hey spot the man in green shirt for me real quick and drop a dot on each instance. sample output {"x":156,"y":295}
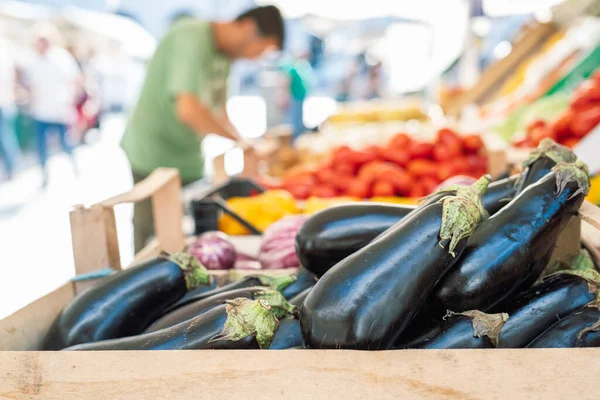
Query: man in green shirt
{"x":183,"y":97}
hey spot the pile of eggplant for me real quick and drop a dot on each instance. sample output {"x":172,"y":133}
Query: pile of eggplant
{"x":466,"y":268}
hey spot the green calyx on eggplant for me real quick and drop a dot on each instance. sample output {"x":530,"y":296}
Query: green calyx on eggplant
{"x":195,"y":273}
{"x":548,"y":148}
{"x":462,"y":213}
{"x":368,"y":299}
{"x":249,"y":317}
{"x":125,"y":303}
{"x":184,"y":313}
{"x":595,"y":327}
{"x":580,"y":261}
{"x":506,"y":254}
{"x":467,"y":330}
{"x":239,"y":324}
{"x":278,"y":283}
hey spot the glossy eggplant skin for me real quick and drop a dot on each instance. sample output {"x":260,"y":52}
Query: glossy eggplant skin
{"x":199,"y":307}
{"x":304,"y":280}
{"x":299,"y":299}
{"x":288,"y":335}
{"x":536,"y":310}
{"x":457,"y":333}
{"x":509,"y":248}
{"x":196,"y":295}
{"x":565,"y":332}
{"x":499,"y":194}
{"x":535,"y":172}
{"x":193,"y":334}
{"x":368,"y":299}
{"x":335,"y":233}
{"x":123,"y":305}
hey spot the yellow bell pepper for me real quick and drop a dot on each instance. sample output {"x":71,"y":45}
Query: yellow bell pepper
{"x":316,"y":204}
{"x":395,"y":200}
{"x":594,"y":195}
{"x":261,"y":211}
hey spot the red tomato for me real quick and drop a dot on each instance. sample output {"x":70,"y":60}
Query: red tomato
{"x":326,"y":176}
{"x":472,"y":143}
{"x":429,"y":184}
{"x":375,"y":150}
{"x":397,"y":156}
{"x":535,"y":124}
{"x":460,"y":165}
{"x":447,"y":135}
{"x":400,"y":180}
{"x":596,"y":77}
{"x":300,"y":192}
{"x":445,"y":171}
{"x":359,"y":188}
{"x":324,"y":191}
{"x":538,"y":134}
{"x":305,"y":179}
{"x":343,"y":168}
{"x":421,"y":168}
{"x":442,"y":153}
{"x":570,"y":142}
{"x":342,"y":182}
{"x":368,"y":172}
{"x":417,"y":191}
{"x":477,"y":162}
{"x":400,"y":141}
{"x":584,"y":122}
{"x":421,"y":150}
{"x":383,"y":189}
{"x":562,"y":126}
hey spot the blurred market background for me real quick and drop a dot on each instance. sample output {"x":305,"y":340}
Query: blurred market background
{"x":494,"y":68}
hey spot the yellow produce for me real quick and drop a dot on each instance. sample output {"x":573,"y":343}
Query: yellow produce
{"x":594,"y":195}
{"x":395,"y":200}
{"x":261,"y":211}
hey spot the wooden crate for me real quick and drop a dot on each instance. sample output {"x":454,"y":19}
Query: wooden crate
{"x":292,"y":374}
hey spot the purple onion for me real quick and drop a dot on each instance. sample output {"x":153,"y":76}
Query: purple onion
{"x":278,"y":249}
{"x":214,"y":250}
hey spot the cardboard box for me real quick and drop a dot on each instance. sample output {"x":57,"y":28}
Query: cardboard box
{"x":292,"y":374}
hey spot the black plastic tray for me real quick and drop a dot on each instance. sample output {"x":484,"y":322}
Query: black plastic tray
{"x":207,"y":209}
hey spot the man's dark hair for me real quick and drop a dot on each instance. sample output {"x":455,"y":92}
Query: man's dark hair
{"x":269,"y":21}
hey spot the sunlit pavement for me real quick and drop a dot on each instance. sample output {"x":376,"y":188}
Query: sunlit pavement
{"x":35,"y":240}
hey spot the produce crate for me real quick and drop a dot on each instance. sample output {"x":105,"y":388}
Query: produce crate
{"x":293,"y":374}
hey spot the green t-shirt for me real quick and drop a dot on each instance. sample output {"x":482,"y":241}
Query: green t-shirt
{"x":185,"y":61}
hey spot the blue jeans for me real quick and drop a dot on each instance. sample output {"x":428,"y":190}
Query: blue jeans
{"x":9,"y":148}
{"x":41,"y":132}
{"x":297,"y":117}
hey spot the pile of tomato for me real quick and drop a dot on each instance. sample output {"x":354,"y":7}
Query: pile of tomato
{"x":404,"y":167}
{"x":575,"y":123}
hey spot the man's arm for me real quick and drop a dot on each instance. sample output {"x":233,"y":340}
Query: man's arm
{"x":200,"y":118}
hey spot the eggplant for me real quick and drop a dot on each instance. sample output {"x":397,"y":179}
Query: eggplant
{"x":304,"y":280}
{"x":126,"y":303}
{"x":515,"y":244}
{"x":278,"y":283}
{"x":541,"y":161}
{"x":288,"y":335}
{"x":336,"y":232}
{"x":191,"y":310}
{"x":367,"y":300}
{"x":580,"y":329}
{"x":468,"y":330}
{"x":299,"y":299}
{"x":240,"y":324}
{"x":499,"y":194}
{"x":536,"y":310}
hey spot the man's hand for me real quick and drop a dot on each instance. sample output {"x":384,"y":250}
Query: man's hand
{"x":191,"y":112}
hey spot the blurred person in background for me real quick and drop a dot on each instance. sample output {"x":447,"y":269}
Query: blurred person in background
{"x":53,"y":76}
{"x":9,"y":148}
{"x":374,"y":83}
{"x":300,"y":80}
{"x":184,"y":97}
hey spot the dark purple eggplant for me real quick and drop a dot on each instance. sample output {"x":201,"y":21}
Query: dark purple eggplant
{"x":468,"y":330}
{"x":304,"y":280}
{"x":299,"y":299}
{"x":580,"y":329}
{"x":536,"y":310}
{"x":241,"y":324}
{"x":126,"y":303}
{"x":278,"y":283}
{"x":336,"y":232}
{"x":192,"y":310}
{"x":515,"y":244}
{"x":288,"y":335}
{"x":368,"y":299}
{"x":541,"y":161}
